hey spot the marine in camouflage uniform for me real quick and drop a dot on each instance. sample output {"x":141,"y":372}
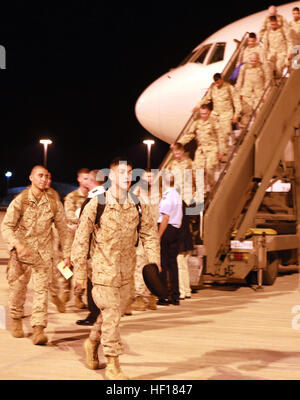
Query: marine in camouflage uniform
{"x":266,"y":25}
{"x":277,"y":44}
{"x":204,"y":130}
{"x":252,"y":46}
{"x":113,"y":262}
{"x":182,"y":167}
{"x":27,"y":227}
{"x":294,"y":30}
{"x":226,"y":110}
{"x":251,"y":84}
{"x":72,"y":204}
{"x":58,"y":283}
{"x":143,"y":299}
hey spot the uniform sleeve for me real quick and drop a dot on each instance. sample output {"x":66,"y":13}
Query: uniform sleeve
{"x":189,"y":135}
{"x":80,"y":246}
{"x":70,"y":209}
{"x":10,"y":222}
{"x":149,"y":236}
{"x":263,"y":29}
{"x":60,"y":223}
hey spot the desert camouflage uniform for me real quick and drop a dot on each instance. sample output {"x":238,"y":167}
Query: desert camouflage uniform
{"x":188,"y":189}
{"x":184,"y":178}
{"x":34,"y":230}
{"x":72,"y":204}
{"x":140,"y":289}
{"x":244,"y":55}
{"x":251,"y":84}
{"x":266,"y":25}
{"x":226,"y":106}
{"x":206,"y":155}
{"x":58,"y":282}
{"x":276,"y":46}
{"x":113,"y":261}
{"x":294,"y":32}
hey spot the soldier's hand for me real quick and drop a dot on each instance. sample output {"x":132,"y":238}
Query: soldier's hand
{"x":72,"y":227}
{"x":22,"y":250}
{"x":235,"y":120}
{"x":159,"y":268}
{"x":67,"y":262}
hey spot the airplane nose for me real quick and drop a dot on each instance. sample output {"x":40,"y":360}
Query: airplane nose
{"x":147,"y":110}
{"x":166,"y":105}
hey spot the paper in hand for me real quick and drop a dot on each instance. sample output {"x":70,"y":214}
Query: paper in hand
{"x":65,"y":271}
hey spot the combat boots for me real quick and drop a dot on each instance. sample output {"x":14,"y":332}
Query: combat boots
{"x":139,"y":304}
{"x":78,"y":302}
{"x":38,"y":335}
{"x":16,"y":328}
{"x":91,"y":353}
{"x":151,"y":302}
{"x":113,"y":370}
{"x":60,"y":305}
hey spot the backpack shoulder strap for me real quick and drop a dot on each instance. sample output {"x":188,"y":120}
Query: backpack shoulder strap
{"x":101,"y":198}
{"x":139,"y":210}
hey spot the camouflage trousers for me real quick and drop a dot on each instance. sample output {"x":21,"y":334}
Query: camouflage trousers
{"x":139,"y":284}
{"x":206,"y":157}
{"x":183,"y":274}
{"x":275,"y":64}
{"x":112,"y":302}
{"x":59,"y":285}
{"x":224,"y":130}
{"x":18,"y":276}
{"x":249,"y":104}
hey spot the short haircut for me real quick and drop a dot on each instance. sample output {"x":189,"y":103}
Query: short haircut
{"x":205,"y":106}
{"x":273,"y":18}
{"x":179,"y":146}
{"x":36,"y":167}
{"x":83,"y":171}
{"x":217,"y":76}
{"x":296,"y":9}
{"x":120,"y":160}
{"x":252,"y":35}
{"x":98,"y":175}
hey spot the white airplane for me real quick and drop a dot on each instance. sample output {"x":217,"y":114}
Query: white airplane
{"x":165,"y":106}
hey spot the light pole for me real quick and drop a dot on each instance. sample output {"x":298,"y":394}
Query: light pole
{"x":8,"y":174}
{"x":149,"y":143}
{"x":45,"y":142}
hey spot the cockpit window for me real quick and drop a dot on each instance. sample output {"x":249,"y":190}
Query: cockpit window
{"x":197,"y":55}
{"x":217,"y":53}
{"x":202,"y":53}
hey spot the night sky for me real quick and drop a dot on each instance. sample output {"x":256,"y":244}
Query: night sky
{"x":74,"y":72}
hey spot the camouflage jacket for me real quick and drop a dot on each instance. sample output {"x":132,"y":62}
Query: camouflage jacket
{"x":276,"y":41}
{"x":294,"y":32}
{"x":114,"y":255}
{"x":205,"y":132}
{"x":224,"y":99}
{"x":32,"y":227}
{"x":184,"y":177}
{"x":73,"y":203}
{"x":252,"y":80}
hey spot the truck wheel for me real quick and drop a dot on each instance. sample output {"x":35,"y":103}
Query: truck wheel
{"x":271,"y":273}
